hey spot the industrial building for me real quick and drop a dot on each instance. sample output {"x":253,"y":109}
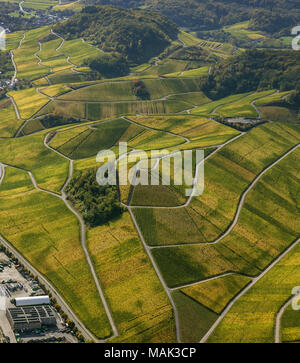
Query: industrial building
{"x":32,"y":300}
{"x":30,"y":318}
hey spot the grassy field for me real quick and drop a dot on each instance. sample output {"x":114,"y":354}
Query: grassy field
{"x":245,"y":249}
{"x":83,"y":142}
{"x":290,"y":325}
{"x":13,"y":40}
{"x":216,"y":294}
{"x":28,"y":101}
{"x":67,"y":109}
{"x":243,"y":107}
{"x":50,"y":170}
{"x":42,"y":228}
{"x":39,"y":4}
{"x":123,"y":91}
{"x":51,"y":58}
{"x":98,"y":111}
{"x":241,"y":31}
{"x":194,"y":319}
{"x":25,"y":59}
{"x":78,"y":51}
{"x":281,"y":114}
{"x":188,"y":39}
{"x":161,"y":68}
{"x":202,"y":132}
{"x":208,"y":108}
{"x":55,"y":90}
{"x":9,"y":124}
{"x":140,"y":307}
{"x":252,"y":318}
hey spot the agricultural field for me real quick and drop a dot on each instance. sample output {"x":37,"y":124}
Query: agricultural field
{"x":9,"y":123}
{"x":29,"y":220}
{"x":241,"y":31}
{"x":39,"y":4}
{"x":26,"y":58}
{"x":154,"y":263}
{"x":141,"y":308}
{"x":28,"y":102}
{"x":123,"y":91}
{"x":261,"y":304}
{"x":48,"y":168}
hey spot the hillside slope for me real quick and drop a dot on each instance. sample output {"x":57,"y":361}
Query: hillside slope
{"x":212,"y":14}
{"x":136,"y":34}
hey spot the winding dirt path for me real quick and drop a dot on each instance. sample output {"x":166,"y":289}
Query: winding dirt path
{"x":82,"y":236}
{"x":243,"y":292}
{"x":239,"y":208}
{"x":279,"y":318}
{"x":61,"y":301}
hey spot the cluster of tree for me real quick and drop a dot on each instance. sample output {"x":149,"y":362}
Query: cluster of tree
{"x":254,"y":70}
{"x":210,"y":14}
{"x":109,"y":65}
{"x":6,"y":66}
{"x":293,"y":98}
{"x":54,"y":119}
{"x":140,"y":90}
{"x":136,"y":34}
{"x":97,"y":204}
{"x":275,"y":23}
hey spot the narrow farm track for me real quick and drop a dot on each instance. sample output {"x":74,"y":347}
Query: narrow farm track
{"x":203,"y":281}
{"x":187,"y":140}
{"x":13,"y":59}
{"x":188,"y":201}
{"x":164,"y":98}
{"x":86,"y":333}
{"x":240,"y":205}
{"x":247,"y":288}
{"x":162,"y":281}
{"x":74,"y":66}
{"x":279,"y":317}
{"x":83,"y":238}
{"x":15,"y":107}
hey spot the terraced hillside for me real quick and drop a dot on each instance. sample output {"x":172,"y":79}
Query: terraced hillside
{"x":174,"y":265}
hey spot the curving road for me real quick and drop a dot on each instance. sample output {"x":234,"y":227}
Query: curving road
{"x":279,"y":317}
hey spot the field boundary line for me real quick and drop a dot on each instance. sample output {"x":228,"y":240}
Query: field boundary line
{"x":239,"y":207}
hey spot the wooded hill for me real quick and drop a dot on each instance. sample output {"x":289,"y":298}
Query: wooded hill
{"x":136,"y":34}
{"x":254,"y":70}
{"x":213,"y":14}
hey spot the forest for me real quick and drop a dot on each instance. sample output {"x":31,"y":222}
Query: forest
{"x":136,"y":34}
{"x":254,"y":70}
{"x":214,"y":14}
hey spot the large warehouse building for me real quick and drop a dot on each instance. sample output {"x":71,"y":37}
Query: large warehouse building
{"x":32,"y":300}
{"x":31,"y":317}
